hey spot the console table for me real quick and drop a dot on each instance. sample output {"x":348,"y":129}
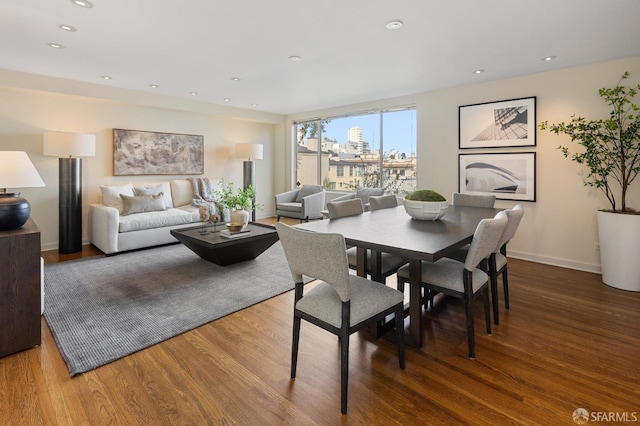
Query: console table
{"x":20,"y":302}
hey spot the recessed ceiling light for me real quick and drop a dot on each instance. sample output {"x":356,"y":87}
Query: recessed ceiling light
{"x":154,"y":86}
{"x":55,"y":45}
{"x":548,"y":58}
{"x":254,"y":105}
{"x":68,"y":28}
{"x":478,"y":71}
{"x":105,"y":77}
{"x":193,"y":93}
{"x":235,"y":78}
{"x":226,"y":99}
{"x":82,"y":3}
{"x":394,"y":25}
{"x":295,"y":58}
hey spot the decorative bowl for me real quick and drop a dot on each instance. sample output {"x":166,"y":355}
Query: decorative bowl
{"x":234,"y":227}
{"x":426,"y":210}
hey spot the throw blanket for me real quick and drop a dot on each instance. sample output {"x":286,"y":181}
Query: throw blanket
{"x":204,"y":196}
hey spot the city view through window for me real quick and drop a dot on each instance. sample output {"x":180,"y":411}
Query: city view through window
{"x":370,"y":150}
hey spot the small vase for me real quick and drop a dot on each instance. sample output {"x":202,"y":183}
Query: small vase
{"x":239,"y":216}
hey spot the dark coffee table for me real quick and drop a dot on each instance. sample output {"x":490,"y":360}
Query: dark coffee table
{"x":226,"y":251}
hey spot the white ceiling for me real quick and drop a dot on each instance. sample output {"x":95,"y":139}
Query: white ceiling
{"x":348,"y":56}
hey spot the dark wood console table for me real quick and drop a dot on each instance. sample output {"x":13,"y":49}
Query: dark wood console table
{"x":20,"y":302}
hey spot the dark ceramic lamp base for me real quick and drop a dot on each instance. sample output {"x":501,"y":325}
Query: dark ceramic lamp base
{"x":14,"y":211}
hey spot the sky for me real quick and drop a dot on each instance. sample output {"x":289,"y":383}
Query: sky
{"x":399,"y":130}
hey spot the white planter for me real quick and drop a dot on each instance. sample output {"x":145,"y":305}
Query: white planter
{"x":620,"y":250}
{"x":425,"y":210}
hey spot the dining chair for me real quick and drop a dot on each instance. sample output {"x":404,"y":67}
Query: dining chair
{"x":345,"y":208}
{"x":464,"y":279}
{"x":389,"y":263}
{"x":498,"y":261}
{"x":383,"y":201}
{"x":341,"y":303}
{"x":473,"y":200}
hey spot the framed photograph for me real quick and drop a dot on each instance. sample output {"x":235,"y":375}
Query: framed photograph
{"x":500,"y":124}
{"x":138,"y":152}
{"x":510,"y":176}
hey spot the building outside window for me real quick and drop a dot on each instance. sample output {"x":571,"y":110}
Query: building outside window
{"x":378,"y":148}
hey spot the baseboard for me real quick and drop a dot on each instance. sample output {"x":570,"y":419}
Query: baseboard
{"x":564,"y":263}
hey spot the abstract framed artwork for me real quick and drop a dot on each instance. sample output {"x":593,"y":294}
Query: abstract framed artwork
{"x":502,"y":124}
{"x":509,"y":176}
{"x":137,"y":152}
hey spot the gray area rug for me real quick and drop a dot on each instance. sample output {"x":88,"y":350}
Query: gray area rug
{"x":105,"y":308}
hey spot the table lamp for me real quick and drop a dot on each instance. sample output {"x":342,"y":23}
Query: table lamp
{"x":250,"y":151}
{"x":70,"y":147}
{"x":16,"y":171}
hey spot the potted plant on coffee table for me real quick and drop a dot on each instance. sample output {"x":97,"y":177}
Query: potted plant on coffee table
{"x":610,"y":151}
{"x":238,"y":201}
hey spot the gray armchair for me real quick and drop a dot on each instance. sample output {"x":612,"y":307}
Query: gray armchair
{"x":363,"y":194}
{"x":303,"y":203}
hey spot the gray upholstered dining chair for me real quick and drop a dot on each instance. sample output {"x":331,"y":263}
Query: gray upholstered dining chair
{"x":363,"y":194}
{"x":498,"y":262}
{"x":389,"y":263}
{"x":345,"y":208}
{"x":341,"y":303}
{"x":465,"y":280}
{"x":473,"y":200}
{"x":383,"y":201}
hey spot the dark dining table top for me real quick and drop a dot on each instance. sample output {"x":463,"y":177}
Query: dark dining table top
{"x":392,"y":230}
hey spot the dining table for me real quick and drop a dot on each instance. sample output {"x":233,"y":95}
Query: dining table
{"x":392,"y":230}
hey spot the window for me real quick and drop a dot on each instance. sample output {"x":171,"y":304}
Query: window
{"x":378,"y":148}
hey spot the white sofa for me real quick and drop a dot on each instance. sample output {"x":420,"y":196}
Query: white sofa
{"x":140,"y":221}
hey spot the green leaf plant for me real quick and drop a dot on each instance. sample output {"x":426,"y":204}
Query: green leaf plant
{"x":611,"y":147}
{"x":229,"y":197}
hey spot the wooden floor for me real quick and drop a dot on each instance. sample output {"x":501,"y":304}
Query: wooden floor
{"x":567,"y":342}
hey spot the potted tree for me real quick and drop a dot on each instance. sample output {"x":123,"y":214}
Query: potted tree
{"x":425,"y":204}
{"x":611,"y":154}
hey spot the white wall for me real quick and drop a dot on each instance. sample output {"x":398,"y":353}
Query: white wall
{"x":29,"y":105}
{"x":560,"y":227}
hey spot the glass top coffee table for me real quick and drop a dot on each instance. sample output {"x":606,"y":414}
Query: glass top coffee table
{"x":212,"y":246}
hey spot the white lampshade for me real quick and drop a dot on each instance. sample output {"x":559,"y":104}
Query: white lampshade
{"x":17,"y":170}
{"x":64,"y":144}
{"x":251,"y":151}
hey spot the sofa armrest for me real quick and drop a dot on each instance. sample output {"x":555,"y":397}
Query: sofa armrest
{"x":344,"y":197}
{"x":104,"y":223}
{"x":313,"y":204}
{"x":287,"y":197}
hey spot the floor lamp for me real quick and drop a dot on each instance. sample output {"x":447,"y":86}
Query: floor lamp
{"x":250,"y":151}
{"x":16,"y":171}
{"x":70,"y":147}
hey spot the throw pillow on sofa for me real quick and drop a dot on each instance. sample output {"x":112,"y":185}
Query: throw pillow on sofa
{"x":111,"y":195}
{"x":142,"y":203}
{"x":155,"y":189}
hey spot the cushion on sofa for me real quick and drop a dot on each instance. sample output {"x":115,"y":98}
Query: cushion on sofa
{"x":157,"y":219}
{"x":182,"y":192}
{"x":111,"y":194}
{"x":142,"y":203}
{"x":155,"y":189}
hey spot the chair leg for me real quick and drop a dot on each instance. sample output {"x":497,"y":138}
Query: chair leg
{"x":277,"y":218}
{"x":505,"y":286}
{"x":294,"y":346}
{"x":344,"y":370}
{"x":400,"y":285}
{"x":487,"y":311}
{"x":468,"y":301}
{"x":493,"y":275}
{"x":400,"y":334}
